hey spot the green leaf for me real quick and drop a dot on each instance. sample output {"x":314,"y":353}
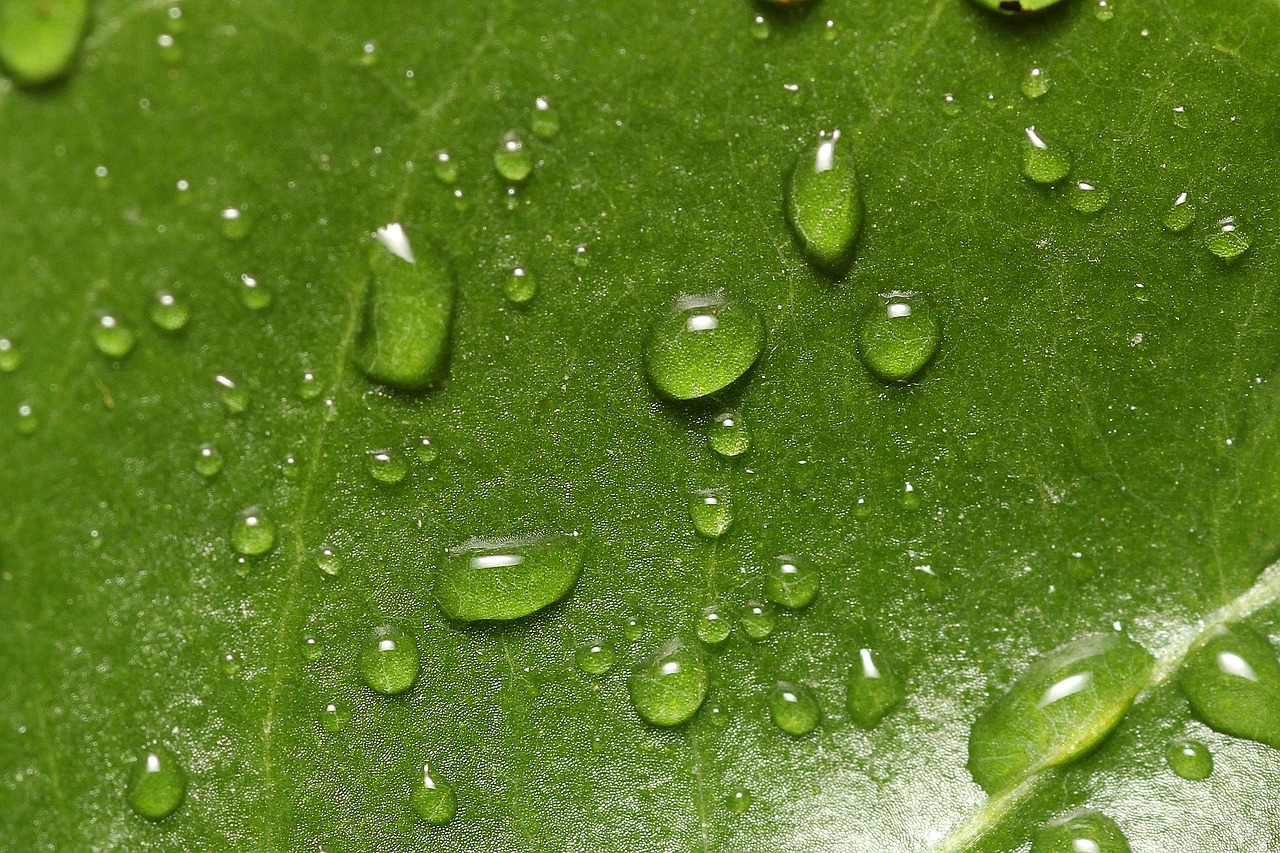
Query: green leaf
{"x":1092,"y":449}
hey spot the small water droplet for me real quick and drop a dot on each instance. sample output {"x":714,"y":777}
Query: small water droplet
{"x":426,"y":451}
{"x":39,"y":40}
{"x":1190,"y":759}
{"x":1041,"y":162}
{"x":513,"y":159}
{"x":1180,"y":117}
{"x":521,"y":286}
{"x":898,"y":336}
{"x":309,"y":386}
{"x":234,"y":397}
{"x":445,"y":168}
{"x":10,"y":356}
{"x":157,"y":783}
{"x":791,"y":581}
{"x":738,"y":801}
{"x":823,"y":204}
{"x":757,"y":620}
{"x":231,"y":662}
{"x":389,"y":660}
{"x":27,"y":419}
{"x":545,"y":122}
{"x":729,"y":435}
{"x":1087,"y":197}
{"x":699,"y":345}
{"x":386,"y":466}
{"x":793,"y":708}
{"x":433,"y":798}
{"x":1080,"y":832}
{"x":253,"y":533}
{"x":369,"y":54}
{"x":950,"y":107}
{"x":498,"y":579}
{"x":1181,"y":214}
{"x":334,"y":716}
{"x":329,"y":562}
{"x":633,"y":628}
{"x":595,"y":658}
{"x":711,"y":512}
{"x":669,"y":687}
{"x":1227,"y":241}
{"x":1233,"y":683}
{"x":1035,"y":84}
{"x":291,"y":468}
{"x":713,"y":625}
{"x":253,"y":294}
{"x":874,"y":689}
{"x":208,"y":460}
{"x":759,"y":28}
{"x":170,"y":50}
{"x":1104,"y":11}
{"x":168,"y":312}
{"x":311,"y":648}
{"x":112,"y":337}
{"x":235,"y":223}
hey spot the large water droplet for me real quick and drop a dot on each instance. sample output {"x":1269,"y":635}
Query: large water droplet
{"x":699,"y":345}
{"x":713,"y":625}
{"x":386,"y":466}
{"x":1081,"y":832}
{"x":168,"y":312}
{"x":513,"y":158}
{"x":669,"y":687}
{"x":1227,"y":241}
{"x":432,"y":797}
{"x":874,"y":689}
{"x":389,"y":660}
{"x":757,"y":620}
{"x":729,"y":435}
{"x":595,"y":658}
{"x":1063,"y":705}
{"x":711,"y":512}
{"x":793,"y":708}
{"x":507,"y":578}
{"x":791,"y":581}
{"x":1041,"y":162}
{"x":252,"y":534}
{"x":39,"y":38}
{"x":898,"y":336}
{"x":208,"y":460}
{"x":1233,"y":683}
{"x":408,"y":313}
{"x":157,"y":783}
{"x":1190,"y":759}
{"x":112,"y":337}
{"x":824,"y":206}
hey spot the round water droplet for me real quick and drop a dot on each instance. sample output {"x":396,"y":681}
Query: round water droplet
{"x":309,"y":385}
{"x":389,"y":660}
{"x":39,"y":40}
{"x":27,"y":419}
{"x":759,"y":28}
{"x":112,"y":337}
{"x":1233,"y":683}
{"x":1181,"y":214}
{"x":728,"y":435}
{"x":446,"y":170}
{"x":791,"y":581}
{"x":1041,"y":162}
{"x":545,"y":122}
{"x":169,"y":312}
{"x":1016,"y":7}
{"x":253,"y":294}
{"x":874,"y":689}
{"x":699,"y":345}
{"x":1104,"y":11}
{"x":329,"y":562}
{"x":513,"y":158}
{"x":633,"y":628}
{"x":290,"y":468}
{"x":170,"y":50}
{"x":669,"y":687}
{"x":898,"y":336}
{"x":823,"y":204}
{"x":432,"y":798}
{"x":234,"y":397}
{"x":252,"y":534}
{"x":520,"y":286}
{"x":311,"y":648}
{"x":1081,"y":832}
{"x":757,"y":620}
{"x":208,"y":460}
{"x":1035,"y":84}
{"x":386,"y":466}
{"x":426,"y":451}
{"x":1088,"y":198}
{"x":157,"y":783}
{"x":738,"y":801}
{"x":1227,"y":241}
{"x":793,"y":708}
{"x":334,"y":716}
{"x":711,"y":512}
{"x":1190,"y":759}
{"x":498,"y":579}
{"x":10,"y":356}
{"x":950,"y":107}
{"x":596,"y":658}
{"x":713,"y":625}
{"x":235,"y":224}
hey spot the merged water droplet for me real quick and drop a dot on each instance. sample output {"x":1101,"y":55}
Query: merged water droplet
{"x":208,"y":460}
{"x":711,"y":512}
{"x":169,"y":313}
{"x":1081,"y":832}
{"x":713,"y":625}
{"x":793,"y":708}
{"x":791,"y":581}
{"x":1035,"y":84}
{"x":1063,"y":705}
{"x":1190,"y":759}
{"x":1181,"y":214}
{"x":1227,"y":241}
{"x":595,"y":658}
{"x":433,"y":798}
{"x":1233,"y":683}
{"x":446,"y":170}
{"x":757,"y":620}
{"x":252,"y":534}
{"x":699,"y":345}
{"x":898,"y":336}
{"x":824,"y":206}
{"x":729,"y":435}
{"x":112,"y":337}
{"x":669,"y":687}
{"x":157,"y":783}
{"x":334,"y":716}
{"x":408,"y":313}
{"x":874,"y":689}
{"x":513,"y":159}
{"x":545,"y":122}
{"x":1041,"y":162}
{"x":386,"y":466}
{"x":1088,"y":198}
{"x":520,"y":287}
{"x":498,"y":579}
{"x":39,"y":38}
{"x":10,"y":356}
{"x":389,"y":660}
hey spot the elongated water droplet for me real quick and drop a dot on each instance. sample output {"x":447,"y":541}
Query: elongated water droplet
{"x":10,"y":356}
{"x":1063,"y":705}
{"x":1081,"y":832}
{"x":1233,"y":683}
{"x":1035,"y":84}
{"x":793,"y":708}
{"x":513,"y":158}
{"x":729,"y":435}
{"x":252,"y":534}
{"x":408,"y":313}
{"x":824,"y":206}
{"x":1042,"y":162}
{"x":389,"y":660}
{"x":898,"y":336}
{"x":521,"y":286}
{"x":713,"y":625}
{"x":1088,"y":198}
{"x":334,"y":716}
{"x":1016,"y":7}
{"x":595,"y":658}
{"x":874,"y":689}
{"x":386,"y":466}
{"x":433,"y":798}
{"x":445,"y":168}
{"x":1190,"y":759}
{"x":757,"y":620}
{"x":234,"y":397}
{"x":208,"y":460}
{"x":112,"y":337}
{"x":699,"y":345}
{"x":39,"y":38}
{"x":507,"y":578}
{"x":169,"y":313}
{"x":545,"y":122}
{"x":711,"y":512}
{"x":791,"y":581}
{"x":669,"y":687}
{"x":1227,"y":241}
{"x":1181,"y":214}
{"x":157,"y":783}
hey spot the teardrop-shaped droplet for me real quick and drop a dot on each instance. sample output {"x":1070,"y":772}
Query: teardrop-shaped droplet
{"x":507,"y":578}
{"x":824,"y":206}
{"x":1181,"y":214}
{"x":728,"y":435}
{"x":169,"y":312}
{"x":1042,"y":162}
{"x":408,"y":313}
{"x":874,"y":689}
{"x":513,"y":159}
{"x":793,"y":708}
{"x":1016,"y":7}
{"x":1081,"y":832}
{"x":389,"y":660}
{"x":595,"y":658}
{"x":757,"y":620}
{"x":157,"y":783}
{"x":112,"y":337}
{"x":713,"y":625}
{"x":791,"y":581}
{"x":699,"y":345}
{"x":669,"y":687}
{"x":1190,"y":759}
{"x":1063,"y":705}
{"x":39,"y":38}
{"x":898,"y":336}
{"x":711,"y":512}
{"x":433,"y":798}
{"x":1233,"y":683}
{"x":253,"y":533}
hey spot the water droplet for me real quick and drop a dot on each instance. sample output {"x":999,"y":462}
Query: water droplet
{"x":823,"y":204}
{"x":1014,"y":7}
{"x":898,"y":336}
{"x":1081,"y":832}
{"x":386,"y":466}
{"x":253,"y":294}
{"x":1041,"y":162}
{"x":728,"y":435}
{"x":513,"y":158}
{"x":235,"y":223}
{"x":408,"y":313}
{"x":595,"y":658}
{"x":445,"y":168}
{"x":1064,"y":704}
{"x":252,"y":534}
{"x":713,"y":625}
{"x":1088,"y":198}
{"x":1190,"y":759}
{"x":10,"y":356}
{"x":168,"y":312}
{"x":711,"y":512}
{"x":793,"y":708}
{"x":112,"y":337}
{"x":757,"y":620}
{"x":1104,"y":12}
{"x":950,"y":108}
{"x":633,"y":628}
{"x":432,"y":798}
{"x":521,"y":286}
{"x":311,"y":648}
{"x":1233,"y":683}
{"x":208,"y":460}
{"x":231,"y":663}
{"x":309,"y":386}
{"x":1227,"y":241}
{"x":874,"y":689}
{"x":329,"y":562}
{"x":426,"y":451}
{"x":170,"y":50}
{"x":235,"y":398}
{"x":334,"y":716}
{"x":545,"y":123}
{"x":1181,"y":214}
{"x":699,"y":345}
{"x":759,"y":28}
{"x":791,"y":581}
{"x":39,"y":40}
{"x":738,"y":801}
{"x":27,"y":419}
{"x":1180,"y":118}
{"x":389,"y":660}
{"x":507,"y":578}
{"x":157,"y":783}
{"x":669,"y":687}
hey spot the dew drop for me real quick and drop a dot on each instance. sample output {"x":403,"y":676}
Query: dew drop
{"x":235,"y":223}
{"x":713,"y":625}
{"x":253,"y":294}
{"x":513,"y":159}
{"x":1042,"y":162}
{"x":157,"y":783}
{"x":1063,"y":705}
{"x":113,"y":338}
{"x":234,"y":397}
{"x":757,"y":620}
{"x":309,"y":386}
{"x":1233,"y":683}
{"x":389,"y":660}
{"x":252,"y":534}
{"x":39,"y":39}
{"x":595,"y":658}
{"x":334,"y":716}
{"x":633,"y":628}
{"x":874,"y":689}
{"x":1081,"y":832}
{"x":898,"y":336}
{"x":329,"y":562}
{"x":168,"y":312}
{"x":445,"y":167}
{"x":738,"y":801}
{"x":669,"y":687}
{"x":729,"y":435}
{"x":426,"y":451}
{"x":711,"y":512}
{"x":1190,"y":759}
{"x":1180,"y":216}
{"x":950,"y":108}
{"x":385,"y":466}
{"x":1035,"y":84}
{"x":28,"y":421}
{"x":759,"y":28}
{"x":791,"y":581}
{"x":433,"y":798}
{"x":793,"y":708}
{"x":10,"y":356}
{"x":499,"y":579}
{"x":823,"y":204}
{"x":545,"y":122}
{"x":1088,"y":198}
{"x":699,"y":345}
{"x":520,"y":287}
{"x":208,"y":460}
{"x":1226,"y":241}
